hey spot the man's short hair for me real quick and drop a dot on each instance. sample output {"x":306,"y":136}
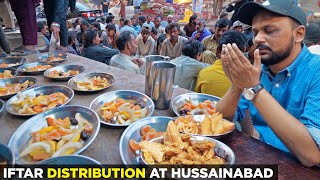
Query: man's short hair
{"x":312,"y":33}
{"x":154,"y":30}
{"x":145,"y":31}
{"x":192,"y":18}
{"x":223,"y":15}
{"x":71,"y":36}
{"x":142,"y":19}
{"x":201,"y":20}
{"x":111,"y":26}
{"x":122,"y":19}
{"x":40,"y":26}
{"x":172,"y":25}
{"x":96,"y":25}
{"x":222,"y":23}
{"x":126,"y":21}
{"x":109,"y":18}
{"x":233,"y":36}
{"x":88,"y":37}
{"x":192,"y":48}
{"x":123,"y":38}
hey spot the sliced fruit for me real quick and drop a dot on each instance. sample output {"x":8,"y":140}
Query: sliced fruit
{"x":134,"y":145}
{"x":41,"y":156}
{"x":75,"y":145}
{"x":46,"y":130}
{"x":35,"y":146}
{"x":52,"y":135}
{"x":145,"y":129}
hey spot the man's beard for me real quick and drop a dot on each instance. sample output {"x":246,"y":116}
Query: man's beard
{"x":275,"y":57}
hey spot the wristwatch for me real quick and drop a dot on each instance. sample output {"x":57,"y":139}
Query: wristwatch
{"x":251,"y":93}
{"x":55,"y":24}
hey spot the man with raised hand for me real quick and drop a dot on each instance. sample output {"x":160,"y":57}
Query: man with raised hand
{"x":283,"y":94}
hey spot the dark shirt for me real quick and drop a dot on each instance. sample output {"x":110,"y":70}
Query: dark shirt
{"x":105,"y":7}
{"x":99,"y":53}
{"x":189,"y":29}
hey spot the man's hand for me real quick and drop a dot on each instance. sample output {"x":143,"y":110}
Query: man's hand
{"x":138,"y":61}
{"x":55,"y":31}
{"x":238,"y":68}
{"x":198,"y":35}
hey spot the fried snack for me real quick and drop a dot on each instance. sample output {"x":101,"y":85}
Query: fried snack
{"x":206,"y":128}
{"x":187,"y":126}
{"x":179,"y":149}
{"x":211,"y":125}
{"x":6,"y":74}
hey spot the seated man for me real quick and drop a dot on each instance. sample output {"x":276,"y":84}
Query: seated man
{"x":93,"y":50}
{"x":212,"y":80}
{"x":72,"y":42}
{"x":127,"y":45}
{"x":211,"y":42}
{"x":146,"y":44}
{"x":172,"y":46}
{"x":201,"y":30}
{"x":283,"y":94}
{"x":188,"y":65}
{"x":128,"y":27}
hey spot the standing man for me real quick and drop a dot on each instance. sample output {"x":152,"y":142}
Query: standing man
{"x":105,"y":6}
{"x":56,"y":12}
{"x":25,"y":13}
{"x":122,"y":12}
{"x":283,"y":94}
{"x":202,"y":31}
{"x":136,"y":6}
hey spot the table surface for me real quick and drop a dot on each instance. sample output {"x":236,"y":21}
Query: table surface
{"x":105,"y":148}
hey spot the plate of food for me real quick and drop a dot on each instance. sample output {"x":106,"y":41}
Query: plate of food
{"x":63,"y":73}
{"x":11,"y":86}
{"x":55,"y":58}
{"x":11,"y":62}
{"x":159,"y":142}
{"x":205,"y":125}
{"x":7,"y":157}
{"x":62,"y":131}
{"x":144,"y":129}
{"x":194,"y":104}
{"x":8,"y":73}
{"x":35,"y":68}
{"x":70,"y":160}
{"x":39,"y":99}
{"x":123,"y":107}
{"x":91,"y":82}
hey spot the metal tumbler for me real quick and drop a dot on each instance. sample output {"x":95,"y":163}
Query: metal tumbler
{"x":148,"y":80}
{"x":162,"y":74}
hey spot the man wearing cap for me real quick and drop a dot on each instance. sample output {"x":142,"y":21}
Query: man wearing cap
{"x":283,"y":94}
{"x":312,"y":38}
{"x":237,"y":26}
